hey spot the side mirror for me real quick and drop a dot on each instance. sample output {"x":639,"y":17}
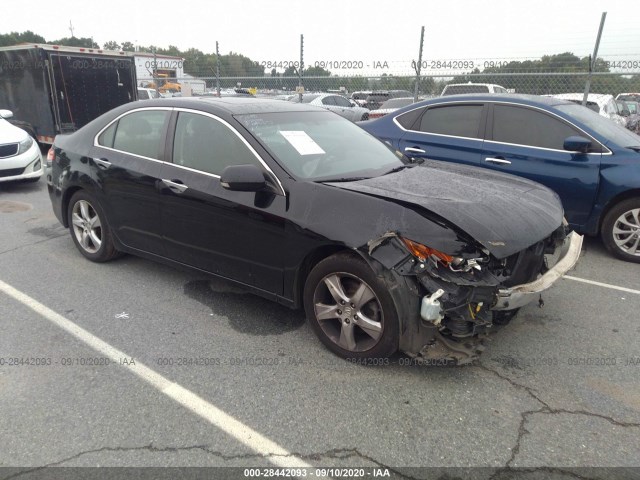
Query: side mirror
{"x":243,"y":178}
{"x":6,"y":113}
{"x":353,"y":104}
{"x":577,"y":144}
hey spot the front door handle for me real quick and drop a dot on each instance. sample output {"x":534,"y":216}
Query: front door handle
{"x":414,"y":150}
{"x":175,"y":186}
{"x":497,"y":161}
{"x":103,"y":164}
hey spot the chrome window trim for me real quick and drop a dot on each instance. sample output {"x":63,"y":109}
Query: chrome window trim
{"x":604,"y":147}
{"x":95,"y":139}
{"x":247,"y":144}
{"x":188,"y":110}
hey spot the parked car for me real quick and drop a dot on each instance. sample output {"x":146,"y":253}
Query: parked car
{"x":602,"y":104}
{"x":20,"y":157}
{"x":305,"y":208}
{"x":378,"y":97}
{"x":592,"y":163}
{"x":389,"y":106}
{"x":461,"y":88}
{"x":361,"y":97}
{"x":147,"y":93}
{"x":634,"y":97}
{"x":334,"y":103}
{"x":633,"y":120}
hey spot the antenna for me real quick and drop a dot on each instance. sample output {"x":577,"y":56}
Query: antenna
{"x":71,"y":28}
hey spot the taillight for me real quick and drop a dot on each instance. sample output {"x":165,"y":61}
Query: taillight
{"x":51,"y":155}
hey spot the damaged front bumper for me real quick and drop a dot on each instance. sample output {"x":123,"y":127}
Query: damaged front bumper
{"x":520,"y":295}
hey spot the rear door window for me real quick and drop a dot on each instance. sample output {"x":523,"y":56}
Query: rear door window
{"x":454,"y":120}
{"x":141,"y":133}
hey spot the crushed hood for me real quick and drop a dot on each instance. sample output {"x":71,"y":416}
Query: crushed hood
{"x":502,"y":212}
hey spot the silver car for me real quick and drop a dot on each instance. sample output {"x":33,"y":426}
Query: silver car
{"x":336,"y":103}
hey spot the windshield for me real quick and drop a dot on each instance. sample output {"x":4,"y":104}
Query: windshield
{"x":608,"y":129}
{"x":320,"y":145}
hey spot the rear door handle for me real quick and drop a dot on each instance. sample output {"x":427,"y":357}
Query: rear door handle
{"x":103,"y":164}
{"x":497,"y":161}
{"x":414,"y":150}
{"x":175,"y":186}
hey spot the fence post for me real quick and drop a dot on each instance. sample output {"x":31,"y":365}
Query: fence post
{"x":592,"y":62}
{"x":418,"y":66}
{"x":301,"y":68}
{"x":217,"y":70}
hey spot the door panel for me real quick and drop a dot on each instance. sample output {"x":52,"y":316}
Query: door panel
{"x":237,"y":235}
{"x":129,"y":167}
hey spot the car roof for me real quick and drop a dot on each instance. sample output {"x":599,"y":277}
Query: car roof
{"x":236,"y":105}
{"x":496,"y":97}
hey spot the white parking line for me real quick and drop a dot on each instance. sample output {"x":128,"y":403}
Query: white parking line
{"x":600,"y":284}
{"x":225,"y":422}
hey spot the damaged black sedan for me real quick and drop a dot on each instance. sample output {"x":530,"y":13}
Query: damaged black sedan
{"x":305,"y":208}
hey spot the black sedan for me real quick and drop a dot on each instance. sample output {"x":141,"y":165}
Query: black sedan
{"x":303,"y":207}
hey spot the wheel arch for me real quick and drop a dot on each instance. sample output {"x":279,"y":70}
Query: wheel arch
{"x":66,"y":198}
{"x":308,"y":263}
{"x":621,"y":197}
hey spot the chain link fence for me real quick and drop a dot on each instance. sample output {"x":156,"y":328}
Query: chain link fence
{"x":526,"y":77}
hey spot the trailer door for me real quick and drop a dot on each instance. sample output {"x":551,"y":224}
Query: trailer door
{"x":86,"y":87}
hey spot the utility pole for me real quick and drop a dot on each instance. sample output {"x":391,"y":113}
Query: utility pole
{"x":155,"y":69}
{"x":71,"y":28}
{"x":593,"y":59}
{"x":418,"y":67}
{"x":217,"y":69}
{"x":301,"y":68}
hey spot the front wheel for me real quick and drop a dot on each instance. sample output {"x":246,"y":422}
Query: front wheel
{"x":89,"y":228}
{"x":350,"y":309}
{"x":621,"y":230}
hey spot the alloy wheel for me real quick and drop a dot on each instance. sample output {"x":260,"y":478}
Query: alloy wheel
{"x":348,"y":312}
{"x":87,"y":226}
{"x":626,"y":232}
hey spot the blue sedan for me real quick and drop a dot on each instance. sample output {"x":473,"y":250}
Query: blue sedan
{"x":592,"y":163}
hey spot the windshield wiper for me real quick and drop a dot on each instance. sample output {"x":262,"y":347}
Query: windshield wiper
{"x":345,"y":179}
{"x":399,"y":168}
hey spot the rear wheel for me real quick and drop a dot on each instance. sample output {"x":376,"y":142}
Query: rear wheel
{"x":365,"y":116}
{"x":89,"y":228}
{"x":621,"y":230}
{"x":350,"y":309}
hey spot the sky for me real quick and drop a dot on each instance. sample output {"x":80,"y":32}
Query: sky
{"x":346,"y":30}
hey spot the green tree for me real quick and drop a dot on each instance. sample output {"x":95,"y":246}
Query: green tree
{"x":111,"y":45}
{"x":76,"y":42}
{"x":14,"y":38}
{"x":128,"y":47}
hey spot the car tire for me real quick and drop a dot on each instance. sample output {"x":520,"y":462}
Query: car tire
{"x":365,"y":116}
{"x":89,"y":228}
{"x":350,"y":309}
{"x":620,"y":231}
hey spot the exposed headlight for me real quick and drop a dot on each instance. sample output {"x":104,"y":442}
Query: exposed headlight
{"x":25,"y":145}
{"x":423,"y":252}
{"x":455,"y":264}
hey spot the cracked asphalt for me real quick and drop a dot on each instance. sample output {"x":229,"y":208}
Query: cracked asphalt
{"x":556,"y":393}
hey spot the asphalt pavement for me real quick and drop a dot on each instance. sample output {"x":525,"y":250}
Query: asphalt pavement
{"x":136,"y":364}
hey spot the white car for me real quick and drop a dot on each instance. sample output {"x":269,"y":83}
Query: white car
{"x":20,"y":157}
{"x":147,"y":93}
{"x":603,"y":104}
{"x":336,"y":103}
{"x":461,"y":88}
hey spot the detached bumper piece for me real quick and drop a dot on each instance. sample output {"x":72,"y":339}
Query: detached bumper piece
{"x":520,"y":295}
